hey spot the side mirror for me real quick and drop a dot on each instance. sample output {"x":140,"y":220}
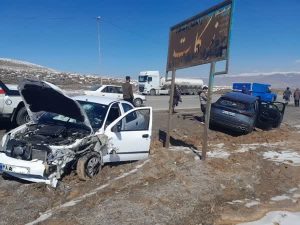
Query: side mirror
{"x":116,"y":128}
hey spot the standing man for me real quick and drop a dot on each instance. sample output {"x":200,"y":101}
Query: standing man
{"x":203,"y":101}
{"x":287,"y":95}
{"x":297,"y":97}
{"x":176,"y":98}
{"x":127,"y":90}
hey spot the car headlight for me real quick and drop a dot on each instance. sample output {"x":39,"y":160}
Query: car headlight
{"x":3,"y":141}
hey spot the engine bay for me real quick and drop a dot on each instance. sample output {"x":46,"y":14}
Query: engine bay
{"x":34,"y":141}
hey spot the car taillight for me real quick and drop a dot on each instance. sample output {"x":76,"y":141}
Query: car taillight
{"x":2,"y":91}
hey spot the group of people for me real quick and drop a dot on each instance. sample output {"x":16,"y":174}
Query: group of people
{"x":287,"y":96}
{"x":202,"y":96}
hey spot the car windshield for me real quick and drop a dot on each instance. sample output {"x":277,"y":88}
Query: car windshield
{"x":143,"y":78}
{"x":95,"y":88}
{"x":95,"y":113}
{"x":57,"y":119}
{"x":232,"y":104}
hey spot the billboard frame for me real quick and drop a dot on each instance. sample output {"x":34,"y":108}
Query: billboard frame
{"x":212,"y":74}
{"x":198,"y":16}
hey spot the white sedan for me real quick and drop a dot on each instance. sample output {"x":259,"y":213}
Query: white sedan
{"x":83,"y":133}
{"x":115,"y":91}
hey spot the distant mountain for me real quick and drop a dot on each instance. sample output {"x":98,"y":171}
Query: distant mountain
{"x":18,"y":65}
{"x":13,"y":71}
{"x":278,"y":80}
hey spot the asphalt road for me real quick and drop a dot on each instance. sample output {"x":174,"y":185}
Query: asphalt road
{"x":188,"y":102}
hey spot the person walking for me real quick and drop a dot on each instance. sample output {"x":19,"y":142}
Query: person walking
{"x":203,"y":101}
{"x":127,"y":90}
{"x":176,"y":98}
{"x":297,"y":97}
{"x":287,"y":95}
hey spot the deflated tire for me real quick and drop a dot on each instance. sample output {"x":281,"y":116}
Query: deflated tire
{"x":88,"y":166}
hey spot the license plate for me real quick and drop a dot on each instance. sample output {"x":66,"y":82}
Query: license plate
{"x":228,"y":113}
{"x":13,"y":169}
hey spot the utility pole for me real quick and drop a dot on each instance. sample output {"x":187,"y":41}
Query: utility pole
{"x":99,"y":49}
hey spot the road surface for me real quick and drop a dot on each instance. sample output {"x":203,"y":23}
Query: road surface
{"x":188,"y":102}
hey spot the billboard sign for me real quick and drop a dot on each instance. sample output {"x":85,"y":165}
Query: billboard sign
{"x":201,"y":39}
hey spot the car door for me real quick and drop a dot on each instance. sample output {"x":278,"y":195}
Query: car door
{"x":112,"y":92}
{"x":107,"y":92}
{"x":280,"y":106}
{"x":130,"y":136}
{"x":270,"y":115}
{"x":119,"y":92}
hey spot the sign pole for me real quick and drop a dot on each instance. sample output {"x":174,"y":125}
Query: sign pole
{"x":208,"y":107}
{"x":170,"y":109}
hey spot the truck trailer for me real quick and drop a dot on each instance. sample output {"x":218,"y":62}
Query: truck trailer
{"x":150,"y":83}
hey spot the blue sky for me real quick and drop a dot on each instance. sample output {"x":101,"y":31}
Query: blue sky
{"x":62,"y":34}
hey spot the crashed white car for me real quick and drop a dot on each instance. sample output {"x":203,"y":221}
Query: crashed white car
{"x":66,"y":133}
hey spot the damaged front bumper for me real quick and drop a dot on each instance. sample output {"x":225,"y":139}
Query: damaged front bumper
{"x":33,"y":170}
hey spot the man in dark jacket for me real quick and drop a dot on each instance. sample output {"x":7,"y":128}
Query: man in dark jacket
{"x":203,"y":101}
{"x":176,"y":98}
{"x":127,"y":90}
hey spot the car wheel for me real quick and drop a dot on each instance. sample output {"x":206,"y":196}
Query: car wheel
{"x":88,"y":166}
{"x":152,"y":92}
{"x":22,"y":116}
{"x":137,"y":102}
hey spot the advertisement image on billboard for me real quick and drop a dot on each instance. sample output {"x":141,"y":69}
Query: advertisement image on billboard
{"x":201,"y":39}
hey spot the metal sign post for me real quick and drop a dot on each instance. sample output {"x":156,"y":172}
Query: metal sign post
{"x":170,"y":109}
{"x":201,"y":39}
{"x":208,"y":107}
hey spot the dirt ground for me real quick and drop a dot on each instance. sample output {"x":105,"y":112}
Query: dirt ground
{"x":242,"y":179}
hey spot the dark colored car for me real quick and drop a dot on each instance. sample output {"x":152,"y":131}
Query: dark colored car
{"x":241,"y":113}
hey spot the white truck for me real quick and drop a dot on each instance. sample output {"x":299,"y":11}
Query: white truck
{"x":150,"y":83}
{"x":11,"y":105}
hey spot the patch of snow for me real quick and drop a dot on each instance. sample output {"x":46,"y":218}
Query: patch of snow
{"x":254,"y":146}
{"x":277,"y":218}
{"x":297,"y":126}
{"x":296,"y":195}
{"x":280,"y":198}
{"x":292,"y":190}
{"x":252,"y":203}
{"x":286,"y":157}
{"x":235,"y":202}
{"x":221,"y":154}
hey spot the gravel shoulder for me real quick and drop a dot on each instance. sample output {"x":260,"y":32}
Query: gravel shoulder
{"x":243,"y":178}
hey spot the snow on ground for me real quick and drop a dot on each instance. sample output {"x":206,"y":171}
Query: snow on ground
{"x":286,"y":157}
{"x":15,"y":61}
{"x":277,"y":218}
{"x":254,"y":146}
{"x":246,"y":202}
{"x":220,"y":154}
{"x":280,"y":198}
{"x":217,"y":152}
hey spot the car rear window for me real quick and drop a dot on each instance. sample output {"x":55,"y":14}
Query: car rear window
{"x":232,"y":104}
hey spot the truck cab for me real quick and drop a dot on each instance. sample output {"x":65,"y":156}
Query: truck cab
{"x":261,"y":91}
{"x":150,"y":83}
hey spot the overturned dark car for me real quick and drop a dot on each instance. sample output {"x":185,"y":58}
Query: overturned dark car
{"x":241,"y":113}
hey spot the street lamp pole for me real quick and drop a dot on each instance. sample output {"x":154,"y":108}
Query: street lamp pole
{"x":99,"y":50}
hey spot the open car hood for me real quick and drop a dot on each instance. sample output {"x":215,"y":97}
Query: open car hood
{"x":41,"y":96}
